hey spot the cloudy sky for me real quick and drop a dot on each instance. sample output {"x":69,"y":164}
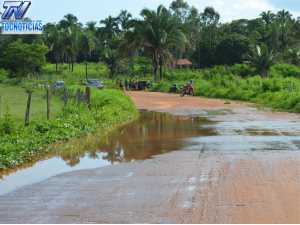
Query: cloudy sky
{"x":95,"y":10}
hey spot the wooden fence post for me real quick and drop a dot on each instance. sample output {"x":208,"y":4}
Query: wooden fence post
{"x":27,"y":114}
{"x":88,"y":96}
{"x":78,"y":96}
{"x":65,"y":97}
{"x":48,"y":103}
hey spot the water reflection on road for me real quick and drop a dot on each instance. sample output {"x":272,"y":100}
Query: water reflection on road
{"x":153,"y":134}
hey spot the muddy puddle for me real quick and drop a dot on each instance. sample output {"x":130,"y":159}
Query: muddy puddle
{"x":153,"y":134}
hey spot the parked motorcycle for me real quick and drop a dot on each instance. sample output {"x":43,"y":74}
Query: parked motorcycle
{"x":187,"y":90}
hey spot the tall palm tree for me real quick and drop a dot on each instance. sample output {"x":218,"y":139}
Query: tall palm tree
{"x":124,"y":19}
{"x":111,"y":27}
{"x":88,"y":45}
{"x":268,"y":17}
{"x":53,"y":39}
{"x":157,"y":34}
{"x":284,"y":23}
{"x":71,"y":29}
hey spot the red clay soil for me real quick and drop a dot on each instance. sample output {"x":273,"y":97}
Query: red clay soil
{"x":232,"y":178}
{"x":157,"y":101}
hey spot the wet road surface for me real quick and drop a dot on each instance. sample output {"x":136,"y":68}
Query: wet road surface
{"x":241,"y":165}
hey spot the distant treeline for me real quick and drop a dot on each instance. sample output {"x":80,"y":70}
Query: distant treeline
{"x":161,"y":36}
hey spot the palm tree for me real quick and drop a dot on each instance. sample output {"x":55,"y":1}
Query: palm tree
{"x":91,"y":26}
{"x":88,"y":45}
{"x":124,"y":19}
{"x":284,"y":23}
{"x":262,"y":59}
{"x":111,"y":27}
{"x":268,"y":17}
{"x":294,"y":56}
{"x":71,"y":29}
{"x":53,"y":39}
{"x":157,"y":34}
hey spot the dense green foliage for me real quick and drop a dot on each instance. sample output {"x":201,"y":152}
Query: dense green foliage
{"x":19,"y":144}
{"x":280,"y":90}
{"x":22,"y":59}
{"x":162,"y":36}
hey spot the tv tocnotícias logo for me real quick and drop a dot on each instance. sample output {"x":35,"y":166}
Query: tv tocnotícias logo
{"x":13,"y":19}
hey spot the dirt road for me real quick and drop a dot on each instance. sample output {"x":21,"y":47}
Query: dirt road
{"x":248,"y":173}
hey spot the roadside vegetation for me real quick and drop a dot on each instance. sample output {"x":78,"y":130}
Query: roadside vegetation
{"x":280,"y":90}
{"x":19,"y":144}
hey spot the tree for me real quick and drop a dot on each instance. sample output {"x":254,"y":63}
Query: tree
{"x":53,"y":38}
{"x":71,"y":30}
{"x":232,"y":49}
{"x":262,"y":59}
{"x":111,"y":56}
{"x":180,"y":8}
{"x":293,"y":56}
{"x":157,"y":34}
{"x":268,"y":17}
{"x":111,"y":28}
{"x":284,"y":22}
{"x":88,"y":45}
{"x":124,"y":19}
{"x":206,"y":49}
{"x":23,"y":59}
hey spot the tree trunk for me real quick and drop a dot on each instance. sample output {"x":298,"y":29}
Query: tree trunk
{"x":155,"y":66}
{"x":69,"y":64}
{"x":264,"y":72}
{"x":160,"y":73}
{"x":160,"y":68}
{"x":88,"y":96}
{"x":155,"y":73}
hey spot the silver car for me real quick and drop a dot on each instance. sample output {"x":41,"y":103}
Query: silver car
{"x":94,"y":83}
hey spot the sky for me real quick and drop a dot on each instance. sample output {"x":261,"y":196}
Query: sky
{"x":96,"y":10}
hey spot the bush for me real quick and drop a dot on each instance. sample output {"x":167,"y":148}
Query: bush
{"x":242,"y":70}
{"x":7,"y":125}
{"x":3,"y":75}
{"x":285,"y":70}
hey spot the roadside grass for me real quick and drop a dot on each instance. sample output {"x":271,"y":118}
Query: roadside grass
{"x":14,"y":100}
{"x":19,"y":144}
{"x":95,"y":71}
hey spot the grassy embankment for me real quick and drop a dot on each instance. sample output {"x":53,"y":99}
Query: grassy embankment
{"x":279,"y":91}
{"x":19,"y":144}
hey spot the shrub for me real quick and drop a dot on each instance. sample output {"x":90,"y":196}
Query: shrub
{"x":242,"y":70}
{"x":285,"y":70}
{"x":3,"y":75}
{"x":7,"y":125}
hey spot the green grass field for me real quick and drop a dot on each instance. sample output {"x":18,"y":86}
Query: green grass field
{"x":14,"y":100}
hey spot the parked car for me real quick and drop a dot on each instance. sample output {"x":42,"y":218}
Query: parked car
{"x":94,"y":83}
{"x":58,"y":84}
